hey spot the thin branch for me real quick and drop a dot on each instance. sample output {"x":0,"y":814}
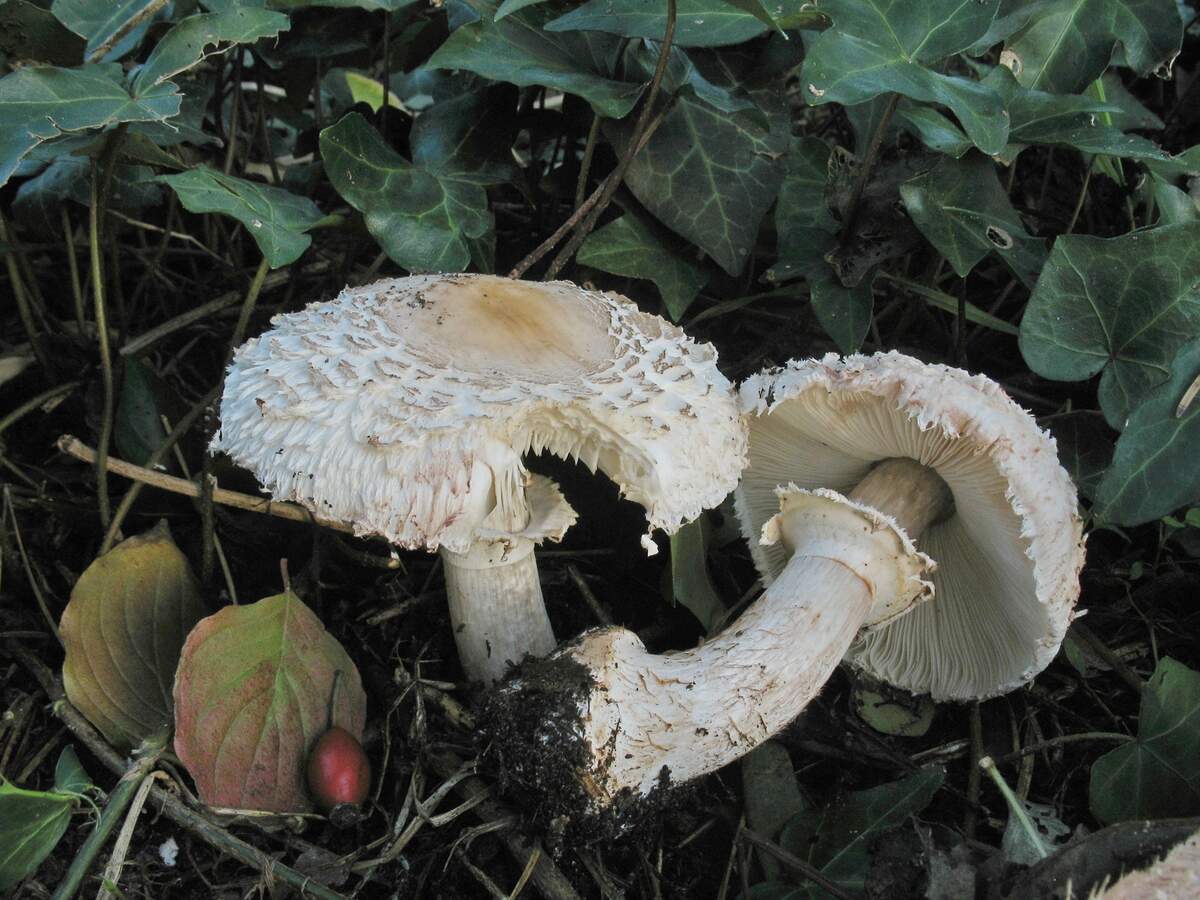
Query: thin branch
{"x":1060,"y":740}
{"x":72,"y":446}
{"x":793,"y":862}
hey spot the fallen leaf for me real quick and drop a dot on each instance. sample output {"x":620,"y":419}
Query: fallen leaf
{"x":252,"y":694}
{"x":122,"y":629}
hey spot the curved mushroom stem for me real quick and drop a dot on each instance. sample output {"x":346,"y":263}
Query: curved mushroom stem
{"x":496,"y":607}
{"x":690,"y":712}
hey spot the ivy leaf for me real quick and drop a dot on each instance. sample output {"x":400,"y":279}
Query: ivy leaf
{"x":1119,"y":306}
{"x":517,"y":50}
{"x":698,"y":23}
{"x":936,"y":131}
{"x":275,"y":218}
{"x":1085,"y":446}
{"x":137,"y":427}
{"x":508,"y":7}
{"x":1154,"y":469}
{"x":683,"y":74}
{"x":1069,"y":43}
{"x":802,"y":217}
{"x":836,"y":839}
{"x":876,"y":47}
{"x":122,"y":629}
{"x":70,"y":777}
{"x":632,"y":247}
{"x":28,"y":32}
{"x":962,"y":209}
{"x":1155,"y":777}
{"x":843,"y":312}
{"x":31,"y":825}
{"x":104,"y":23}
{"x":469,"y":137}
{"x":252,"y":694}
{"x":709,"y":177}
{"x":424,"y":222}
{"x":690,"y":582}
{"x":185,"y":44}
{"x":40,"y":103}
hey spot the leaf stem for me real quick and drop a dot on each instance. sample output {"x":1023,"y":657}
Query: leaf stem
{"x":24,"y":310}
{"x":1015,"y":806}
{"x":793,"y":862}
{"x":102,"y":171}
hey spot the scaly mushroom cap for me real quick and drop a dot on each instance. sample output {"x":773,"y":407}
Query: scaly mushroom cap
{"x":1008,"y":560}
{"x":405,"y":406}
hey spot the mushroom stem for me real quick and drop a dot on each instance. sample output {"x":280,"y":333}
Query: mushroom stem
{"x":496,"y":607}
{"x":915,"y":496}
{"x":690,"y":712}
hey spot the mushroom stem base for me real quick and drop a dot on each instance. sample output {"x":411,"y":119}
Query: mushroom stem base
{"x":496,"y":609}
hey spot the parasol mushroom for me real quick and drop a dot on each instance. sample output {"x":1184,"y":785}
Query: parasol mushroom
{"x":851,"y":462}
{"x":404,"y":408}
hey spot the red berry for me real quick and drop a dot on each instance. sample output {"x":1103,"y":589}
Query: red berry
{"x":338,"y":770}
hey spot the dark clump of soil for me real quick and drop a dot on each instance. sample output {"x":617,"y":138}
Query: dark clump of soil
{"x":538,"y":750}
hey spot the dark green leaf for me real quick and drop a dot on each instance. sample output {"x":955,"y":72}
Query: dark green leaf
{"x":1131,"y":113}
{"x":40,"y":103}
{"x":690,"y":584}
{"x":802,"y":217}
{"x":518,"y":51}
{"x":936,"y":131}
{"x":962,"y":209}
{"x":1012,"y":16}
{"x":185,"y":44}
{"x":138,"y":430}
{"x":28,"y":32}
{"x":1154,"y":470}
{"x":275,"y":218}
{"x":1121,"y":306}
{"x":836,"y":839}
{"x":70,"y":777}
{"x":843,"y":312}
{"x":104,"y":24}
{"x":1155,"y":777}
{"x":188,"y":126}
{"x":424,"y":222}
{"x":772,"y":796}
{"x":1175,"y":206}
{"x":31,"y":824}
{"x":876,"y":47}
{"x":698,"y":23}
{"x":710,"y":177}
{"x":390,"y":5}
{"x":628,"y":246}
{"x":508,"y":7}
{"x":1069,"y":43}
{"x":682,"y":74}
{"x":1085,"y":446}
{"x":469,"y":137}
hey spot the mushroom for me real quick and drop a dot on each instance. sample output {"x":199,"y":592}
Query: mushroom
{"x":404,"y":408}
{"x":851,"y":462}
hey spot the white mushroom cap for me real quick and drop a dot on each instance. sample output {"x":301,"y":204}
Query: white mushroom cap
{"x":1008,"y":560}
{"x":404,"y":407}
